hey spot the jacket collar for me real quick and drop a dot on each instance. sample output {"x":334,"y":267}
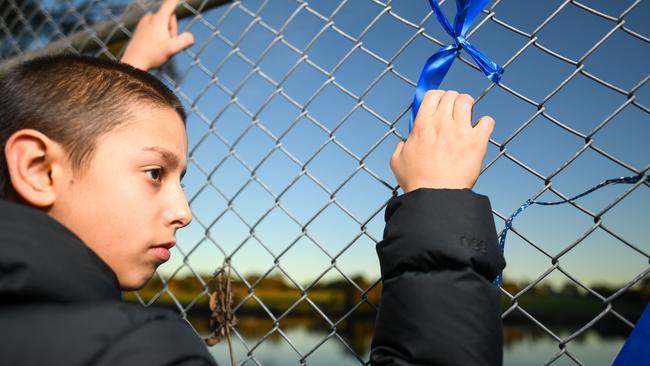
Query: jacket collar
{"x":41,"y":260}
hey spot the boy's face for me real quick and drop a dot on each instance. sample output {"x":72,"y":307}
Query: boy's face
{"x":127,"y":204}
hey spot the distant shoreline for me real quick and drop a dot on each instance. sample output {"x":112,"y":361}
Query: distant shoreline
{"x":569,"y":307}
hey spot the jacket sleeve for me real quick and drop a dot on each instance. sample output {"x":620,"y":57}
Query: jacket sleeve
{"x":169,"y":342}
{"x":438,"y":258}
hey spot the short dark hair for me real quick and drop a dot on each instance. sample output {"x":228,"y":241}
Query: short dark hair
{"x":74,"y":100}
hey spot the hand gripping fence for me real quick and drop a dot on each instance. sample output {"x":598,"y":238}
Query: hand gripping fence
{"x":376,"y":47}
{"x":439,"y":63}
{"x":437,"y":67}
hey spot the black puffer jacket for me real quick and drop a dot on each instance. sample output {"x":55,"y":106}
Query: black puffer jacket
{"x":61,"y":305}
{"x":438,"y":259}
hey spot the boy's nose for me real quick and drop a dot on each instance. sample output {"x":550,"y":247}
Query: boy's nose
{"x":179,"y":214}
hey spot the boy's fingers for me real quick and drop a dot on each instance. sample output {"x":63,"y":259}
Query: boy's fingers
{"x":398,"y":149}
{"x":181,"y":42}
{"x":173,"y":26}
{"x":428,"y":107}
{"x":446,"y":106}
{"x":396,"y":153}
{"x":463,"y":109}
{"x":485,"y":126}
{"x":168,"y":7}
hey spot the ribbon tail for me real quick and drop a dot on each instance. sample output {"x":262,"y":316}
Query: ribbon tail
{"x":442,"y":19}
{"x":433,"y":72}
{"x":490,"y":68}
{"x":466,"y":12}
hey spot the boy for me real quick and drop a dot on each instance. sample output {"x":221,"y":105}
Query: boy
{"x":94,"y":175}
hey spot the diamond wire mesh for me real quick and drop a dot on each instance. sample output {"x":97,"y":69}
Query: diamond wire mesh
{"x":99,"y":28}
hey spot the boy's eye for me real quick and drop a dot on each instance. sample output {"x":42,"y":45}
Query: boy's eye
{"x":155,"y":174}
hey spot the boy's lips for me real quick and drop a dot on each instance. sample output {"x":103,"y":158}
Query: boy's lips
{"x":162,"y":250}
{"x":167,"y":245}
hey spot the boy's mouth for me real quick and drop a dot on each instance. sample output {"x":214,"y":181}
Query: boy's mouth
{"x":162,"y":251}
{"x":167,"y":245}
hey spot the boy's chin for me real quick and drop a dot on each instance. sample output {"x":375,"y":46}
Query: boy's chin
{"x":135,"y":284}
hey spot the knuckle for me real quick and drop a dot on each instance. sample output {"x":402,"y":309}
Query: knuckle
{"x":393,"y":162}
{"x":433,"y":92}
{"x":467,"y":98}
{"x":490,"y":122}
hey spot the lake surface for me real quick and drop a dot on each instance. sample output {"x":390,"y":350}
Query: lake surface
{"x":524,"y":345}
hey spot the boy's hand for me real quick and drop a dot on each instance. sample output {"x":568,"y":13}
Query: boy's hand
{"x":443,"y":150}
{"x":156,"y":38}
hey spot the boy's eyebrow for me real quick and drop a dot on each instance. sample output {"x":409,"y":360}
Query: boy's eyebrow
{"x":169,"y":157}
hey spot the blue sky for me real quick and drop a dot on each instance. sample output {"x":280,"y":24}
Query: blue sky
{"x":581,"y":105}
{"x":277,"y":134}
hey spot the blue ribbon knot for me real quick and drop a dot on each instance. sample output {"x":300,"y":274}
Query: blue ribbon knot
{"x":439,"y":63}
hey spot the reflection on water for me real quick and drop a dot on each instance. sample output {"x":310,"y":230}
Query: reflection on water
{"x":524,"y":344}
{"x":295,"y":339}
{"x":529,"y":345}
{"x":591,"y":349}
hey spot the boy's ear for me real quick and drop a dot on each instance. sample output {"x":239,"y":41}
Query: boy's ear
{"x":33,"y":160}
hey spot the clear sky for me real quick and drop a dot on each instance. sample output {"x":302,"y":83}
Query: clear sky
{"x":582,"y":104}
{"x":320,"y":97}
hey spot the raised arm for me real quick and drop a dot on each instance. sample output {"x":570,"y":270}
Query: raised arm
{"x":439,"y":254}
{"x":156,"y":39}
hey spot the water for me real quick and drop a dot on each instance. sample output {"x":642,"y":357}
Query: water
{"x":592,"y":348}
{"x":523,"y":345}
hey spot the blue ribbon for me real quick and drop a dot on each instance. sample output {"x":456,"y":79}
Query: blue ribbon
{"x":529,"y":202}
{"x":439,"y":63}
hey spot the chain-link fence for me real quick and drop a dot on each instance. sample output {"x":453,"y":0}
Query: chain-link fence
{"x":294,"y":109}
